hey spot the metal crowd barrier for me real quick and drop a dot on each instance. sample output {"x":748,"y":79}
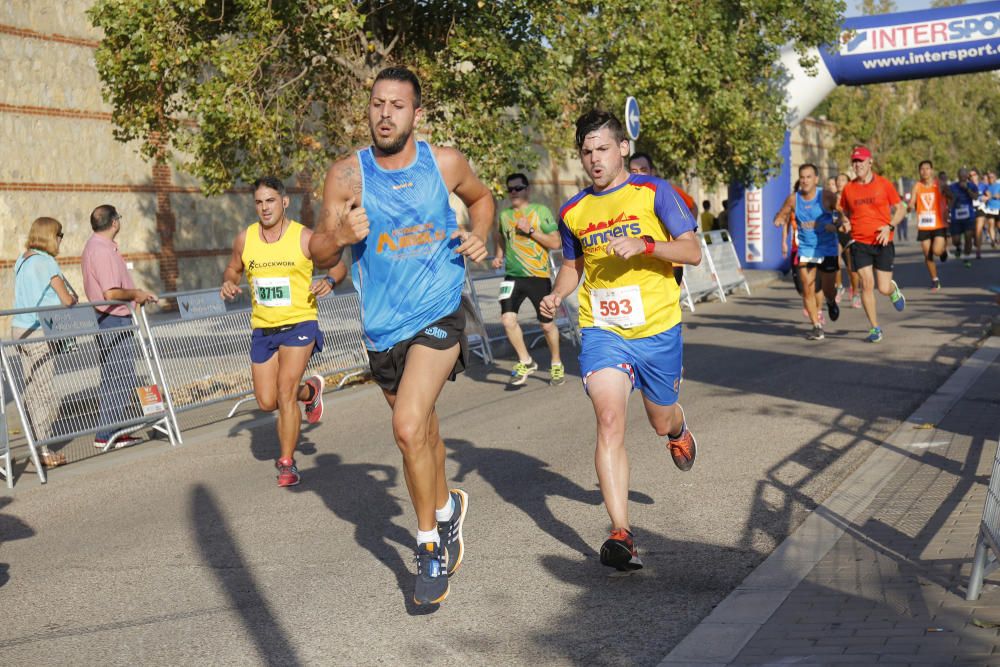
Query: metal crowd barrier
{"x":483,"y":287}
{"x":988,"y":543}
{"x":73,"y":378}
{"x":725,"y":261}
{"x":203,"y":349}
{"x":719,"y":273}
{"x":6,"y":460}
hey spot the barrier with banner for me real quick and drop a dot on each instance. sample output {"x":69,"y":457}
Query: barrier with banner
{"x":987,"y":557}
{"x":72,"y":377}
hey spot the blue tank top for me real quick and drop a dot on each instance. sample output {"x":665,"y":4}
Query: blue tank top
{"x":406,"y":270}
{"x":812,"y":219}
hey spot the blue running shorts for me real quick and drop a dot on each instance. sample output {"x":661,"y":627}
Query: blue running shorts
{"x":266,"y":341}
{"x":653,"y":363}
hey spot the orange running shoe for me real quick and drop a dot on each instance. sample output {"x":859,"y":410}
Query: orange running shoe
{"x":683,"y":448}
{"x":619,"y":551}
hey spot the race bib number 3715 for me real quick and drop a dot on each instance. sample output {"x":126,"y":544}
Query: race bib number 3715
{"x":273,"y":292}
{"x":617,"y":307}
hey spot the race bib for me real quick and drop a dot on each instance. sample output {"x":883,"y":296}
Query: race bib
{"x":273,"y":292}
{"x":962,"y":212}
{"x":926,"y":220}
{"x":506,"y":288}
{"x":617,"y":307}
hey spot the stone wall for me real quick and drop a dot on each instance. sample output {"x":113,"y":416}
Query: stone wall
{"x":61,"y":160}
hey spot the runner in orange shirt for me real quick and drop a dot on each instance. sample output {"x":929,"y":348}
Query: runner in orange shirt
{"x":871,"y":209}
{"x":642,"y":163}
{"x":932,"y":229}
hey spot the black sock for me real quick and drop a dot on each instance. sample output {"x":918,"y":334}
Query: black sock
{"x":312,"y":392}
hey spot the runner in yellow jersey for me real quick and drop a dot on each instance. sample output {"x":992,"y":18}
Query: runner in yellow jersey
{"x":274,"y":254}
{"x":622,"y":235}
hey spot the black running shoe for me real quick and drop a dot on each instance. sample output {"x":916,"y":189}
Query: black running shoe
{"x":432,"y":577}
{"x":619,"y":551}
{"x":833,"y":309}
{"x":450,"y":531}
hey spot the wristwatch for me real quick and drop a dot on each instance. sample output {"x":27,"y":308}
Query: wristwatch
{"x":531,"y":230}
{"x":650,"y":244}
{"x":329,"y":279}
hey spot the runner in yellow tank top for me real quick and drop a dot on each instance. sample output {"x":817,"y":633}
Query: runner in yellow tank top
{"x":274,"y":254}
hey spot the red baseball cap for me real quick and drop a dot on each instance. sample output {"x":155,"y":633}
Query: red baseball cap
{"x":861,"y":153}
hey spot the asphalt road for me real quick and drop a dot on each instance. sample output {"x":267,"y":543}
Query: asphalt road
{"x":194,"y":556}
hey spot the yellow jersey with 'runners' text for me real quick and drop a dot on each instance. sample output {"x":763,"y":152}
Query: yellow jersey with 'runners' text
{"x":636,"y":297}
{"x":279,"y":276}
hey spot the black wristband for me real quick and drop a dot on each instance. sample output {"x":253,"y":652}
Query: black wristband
{"x":329,"y":279}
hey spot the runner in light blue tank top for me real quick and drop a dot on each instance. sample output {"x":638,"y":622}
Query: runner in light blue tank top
{"x":817,"y":240}
{"x":390,"y":203}
{"x":407,"y":270}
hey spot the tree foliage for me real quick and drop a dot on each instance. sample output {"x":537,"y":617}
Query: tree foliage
{"x":949,"y":120}
{"x":234,"y":88}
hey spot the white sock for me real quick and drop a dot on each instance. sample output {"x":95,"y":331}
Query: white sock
{"x":424,"y":536}
{"x":445,"y":513}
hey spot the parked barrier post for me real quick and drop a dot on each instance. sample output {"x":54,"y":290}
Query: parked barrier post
{"x":6,"y":465}
{"x":988,"y":543}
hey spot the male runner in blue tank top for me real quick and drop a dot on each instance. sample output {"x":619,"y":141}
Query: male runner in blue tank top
{"x":389,"y":202}
{"x":817,"y":240}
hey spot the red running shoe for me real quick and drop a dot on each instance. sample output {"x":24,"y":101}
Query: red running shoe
{"x":288,"y":474}
{"x":314,"y":408}
{"x":683,"y":448}
{"x":619,"y":551}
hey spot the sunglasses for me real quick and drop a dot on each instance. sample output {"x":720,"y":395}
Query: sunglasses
{"x":59,"y":235}
{"x":516,"y":188}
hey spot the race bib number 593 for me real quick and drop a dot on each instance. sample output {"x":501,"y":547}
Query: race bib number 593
{"x":617,"y":307}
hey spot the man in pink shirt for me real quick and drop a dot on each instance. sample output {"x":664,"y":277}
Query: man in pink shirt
{"x":106,"y":278}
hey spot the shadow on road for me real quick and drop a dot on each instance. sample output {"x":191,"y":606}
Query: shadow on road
{"x":615,"y":620}
{"x":527,"y":482}
{"x":360,"y":494}
{"x":11,"y":528}
{"x":221,"y":553}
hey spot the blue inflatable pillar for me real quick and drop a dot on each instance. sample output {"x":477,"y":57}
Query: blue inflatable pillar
{"x":751,"y":217}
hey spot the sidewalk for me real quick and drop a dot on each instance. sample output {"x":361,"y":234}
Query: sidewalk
{"x":877,"y":574}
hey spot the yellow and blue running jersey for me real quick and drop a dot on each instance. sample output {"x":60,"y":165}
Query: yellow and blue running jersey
{"x":636,"y":297}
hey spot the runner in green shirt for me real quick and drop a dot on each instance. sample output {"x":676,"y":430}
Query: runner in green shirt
{"x":526,"y":234}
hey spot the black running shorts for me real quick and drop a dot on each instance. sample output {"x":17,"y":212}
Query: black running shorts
{"x":388,"y":366}
{"x":879,"y":256}
{"x":931,"y":234}
{"x":532,"y":288}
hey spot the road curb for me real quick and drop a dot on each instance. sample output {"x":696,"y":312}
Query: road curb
{"x":720,"y":637}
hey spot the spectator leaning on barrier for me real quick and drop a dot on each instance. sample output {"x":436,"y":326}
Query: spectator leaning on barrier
{"x":106,"y":278}
{"x":39,"y":283}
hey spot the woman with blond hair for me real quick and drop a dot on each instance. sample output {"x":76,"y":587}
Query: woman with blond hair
{"x":38,"y":282}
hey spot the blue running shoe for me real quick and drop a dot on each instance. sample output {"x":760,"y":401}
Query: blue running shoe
{"x":897,"y":298}
{"x":874,"y":335}
{"x":450,"y":531}
{"x":432,"y":575}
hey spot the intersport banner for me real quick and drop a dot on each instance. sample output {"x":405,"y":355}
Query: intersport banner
{"x":917,"y":45}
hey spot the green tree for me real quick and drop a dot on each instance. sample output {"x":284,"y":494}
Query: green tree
{"x":234,"y":88}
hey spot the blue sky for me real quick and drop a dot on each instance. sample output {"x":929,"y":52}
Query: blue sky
{"x":901,"y":6}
